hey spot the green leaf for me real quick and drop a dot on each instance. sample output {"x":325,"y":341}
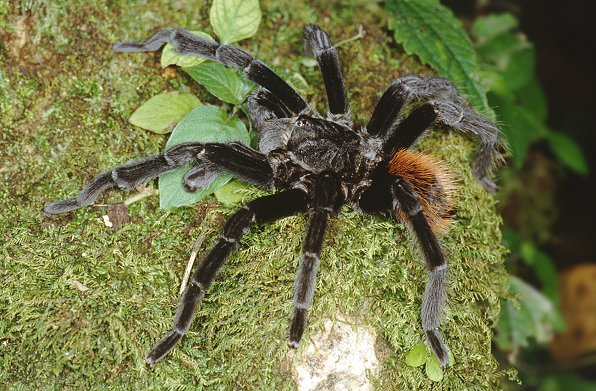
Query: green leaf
{"x":520,"y":68}
{"x":532,"y":315}
{"x":568,"y":152}
{"x":499,"y":49}
{"x":565,"y":382}
{"x":162,"y":112}
{"x":429,"y":30}
{"x":234,"y":20}
{"x":488,"y":27}
{"x":417,"y":356}
{"x":170,"y":57}
{"x":532,"y":97}
{"x":203,"y":124}
{"x":225,"y":83}
{"x":433,"y":368}
{"x":232,"y":193}
{"x":519,"y":126}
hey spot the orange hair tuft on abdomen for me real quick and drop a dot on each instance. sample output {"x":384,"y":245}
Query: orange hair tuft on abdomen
{"x":431,"y":181}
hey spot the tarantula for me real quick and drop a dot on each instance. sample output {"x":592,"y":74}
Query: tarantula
{"x":317,"y":163}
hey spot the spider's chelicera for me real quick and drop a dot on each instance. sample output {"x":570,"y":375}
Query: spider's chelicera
{"x":317,"y":164}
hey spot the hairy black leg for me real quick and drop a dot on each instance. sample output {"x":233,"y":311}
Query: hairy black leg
{"x":259,"y":211}
{"x":317,"y":42}
{"x":263,"y":106}
{"x":129,"y":175}
{"x":325,"y":198}
{"x":199,"y":177}
{"x":240,"y":160}
{"x":187,"y":43}
{"x":410,"y":128}
{"x":304,"y":287}
{"x":464,"y":119}
{"x":450,"y":109}
{"x":435,"y":294}
{"x":387,"y":109}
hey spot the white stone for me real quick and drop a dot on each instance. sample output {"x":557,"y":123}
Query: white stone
{"x":341,"y":358}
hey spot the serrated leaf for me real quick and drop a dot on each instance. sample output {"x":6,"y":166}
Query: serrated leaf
{"x":488,"y":27}
{"x":234,"y":20}
{"x":170,"y":57}
{"x":162,"y":112}
{"x":203,"y":124}
{"x":568,"y":152}
{"x":429,"y":30}
{"x":433,"y":368}
{"x":225,"y":83}
{"x":417,"y":356}
{"x":232,"y":194}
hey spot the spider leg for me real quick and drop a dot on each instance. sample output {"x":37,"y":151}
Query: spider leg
{"x":435,"y":294}
{"x":317,"y":42}
{"x":445,"y":107}
{"x":187,"y":43}
{"x":325,"y":200}
{"x":263,"y":106}
{"x":262,"y":210}
{"x":240,"y":160}
{"x":199,"y":177}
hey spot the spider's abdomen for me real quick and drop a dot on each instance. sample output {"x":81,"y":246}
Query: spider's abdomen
{"x":431,"y":181}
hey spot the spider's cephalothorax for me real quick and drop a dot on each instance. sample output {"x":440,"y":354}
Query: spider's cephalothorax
{"x":317,"y":164}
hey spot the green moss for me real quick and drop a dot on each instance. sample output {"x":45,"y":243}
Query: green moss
{"x":65,"y":101}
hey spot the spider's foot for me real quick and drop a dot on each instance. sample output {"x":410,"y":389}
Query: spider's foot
{"x":62,"y":206}
{"x":297,"y":327}
{"x":438,"y":346}
{"x":293,"y":344}
{"x":162,"y":348}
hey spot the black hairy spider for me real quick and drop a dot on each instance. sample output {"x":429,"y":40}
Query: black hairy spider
{"x":318,"y":164}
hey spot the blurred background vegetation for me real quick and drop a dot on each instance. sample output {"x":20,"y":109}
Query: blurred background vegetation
{"x":542,"y":94}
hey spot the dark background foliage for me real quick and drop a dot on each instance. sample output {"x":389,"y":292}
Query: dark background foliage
{"x":563,"y":37}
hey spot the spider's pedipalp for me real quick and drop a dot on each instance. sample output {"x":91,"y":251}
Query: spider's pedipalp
{"x":240,"y":160}
{"x":408,"y":203}
{"x":259,"y":211}
{"x":317,"y":43}
{"x":187,"y":43}
{"x":271,"y":119}
{"x":263,"y":106}
{"x":199,"y":178}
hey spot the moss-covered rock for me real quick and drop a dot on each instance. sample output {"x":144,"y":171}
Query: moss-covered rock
{"x":81,"y":303}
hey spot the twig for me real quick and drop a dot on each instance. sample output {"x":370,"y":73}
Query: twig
{"x":361,"y":33}
{"x":191,"y":261}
